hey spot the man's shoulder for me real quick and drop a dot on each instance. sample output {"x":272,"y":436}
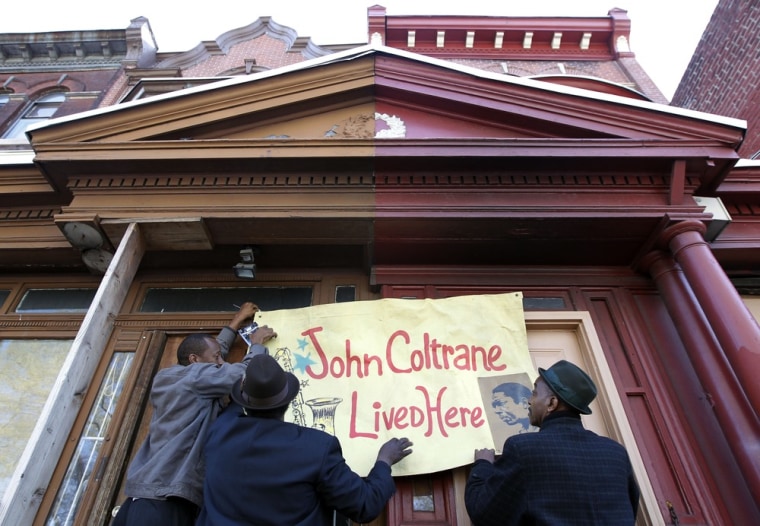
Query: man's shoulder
{"x":171,"y":371}
{"x":310,"y":433}
{"x":524,"y":440}
{"x":610,"y":444}
{"x":232,"y":421}
{"x":189,"y":375}
{"x":574,"y":435}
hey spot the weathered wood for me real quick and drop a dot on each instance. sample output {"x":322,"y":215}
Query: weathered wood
{"x":38,"y":461}
{"x":98,"y":500}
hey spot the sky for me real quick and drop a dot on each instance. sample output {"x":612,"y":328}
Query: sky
{"x":664,"y":33}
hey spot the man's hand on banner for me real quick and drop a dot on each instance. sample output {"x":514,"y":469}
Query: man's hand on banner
{"x":394,"y":450}
{"x":485,"y":454}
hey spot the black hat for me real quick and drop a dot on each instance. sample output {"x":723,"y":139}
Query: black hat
{"x":571,"y":384}
{"x":265,"y":385}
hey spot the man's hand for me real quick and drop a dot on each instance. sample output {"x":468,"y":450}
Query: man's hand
{"x":262,"y":335}
{"x":485,"y":454}
{"x":246,"y":311}
{"x":394,"y":450}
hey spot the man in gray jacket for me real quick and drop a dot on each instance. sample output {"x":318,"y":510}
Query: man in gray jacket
{"x":165,"y":479}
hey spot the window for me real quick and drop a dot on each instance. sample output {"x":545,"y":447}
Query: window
{"x":38,"y":111}
{"x":30,"y":362}
{"x":56,"y":300}
{"x":26,"y":379}
{"x":225,"y":299}
{"x":4,"y":296}
{"x":345,"y":293}
{"x":80,"y":468}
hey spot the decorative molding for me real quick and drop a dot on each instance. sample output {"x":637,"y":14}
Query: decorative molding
{"x":263,"y":26}
{"x":396,"y":126}
{"x":48,"y":322}
{"x":511,"y":53}
{"x":748,"y":209}
{"x":132,"y":184}
{"x":625,"y":182}
{"x":29,"y":214}
{"x":359,"y":126}
{"x":620,"y":182}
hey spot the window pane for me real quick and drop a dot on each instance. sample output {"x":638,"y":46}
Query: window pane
{"x":222,"y":300}
{"x":543,"y":303}
{"x":4,"y":296}
{"x":56,"y":300}
{"x":28,"y":369}
{"x":16,"y":131}
{"x":345,"y":293}
{"x":42,"y":111}
{"x":422,"y":494}
{"x":82,"y":463}
{"x":39,"y":111}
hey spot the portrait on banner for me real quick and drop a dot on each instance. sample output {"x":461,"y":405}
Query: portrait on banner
{"x":506,"y":401}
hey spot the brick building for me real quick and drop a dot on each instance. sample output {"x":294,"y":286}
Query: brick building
{"x":723,"y":76}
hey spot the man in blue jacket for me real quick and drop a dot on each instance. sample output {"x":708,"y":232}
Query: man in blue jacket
{"x":165,"y":479}
{"x":265,"y":471}
{"x":561,"y":475}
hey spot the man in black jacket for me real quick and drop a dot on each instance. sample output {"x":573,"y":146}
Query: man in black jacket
{"x":562,"y":475}
{"x":265,"y":471}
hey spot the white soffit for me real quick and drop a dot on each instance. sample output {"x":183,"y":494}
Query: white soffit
{"x":10,"y":157}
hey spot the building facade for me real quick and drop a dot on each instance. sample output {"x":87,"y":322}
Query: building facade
{"x":447,"y":156}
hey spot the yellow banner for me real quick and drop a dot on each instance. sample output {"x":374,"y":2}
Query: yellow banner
{"x":373,"y":370}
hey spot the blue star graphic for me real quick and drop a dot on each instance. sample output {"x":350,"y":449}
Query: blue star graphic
{"x":302,"y":343}
{"x":302,"y":362}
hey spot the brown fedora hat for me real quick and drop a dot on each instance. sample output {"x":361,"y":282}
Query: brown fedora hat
{"x":265,"y":385}
{"x":571,"y":384}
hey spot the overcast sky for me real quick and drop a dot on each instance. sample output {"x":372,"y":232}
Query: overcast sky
{"x":664,"y":33}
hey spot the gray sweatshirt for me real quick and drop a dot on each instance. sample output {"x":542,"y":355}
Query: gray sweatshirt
{"x":186,"y":399}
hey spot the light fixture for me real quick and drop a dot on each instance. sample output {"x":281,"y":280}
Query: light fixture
{"x":97,"y":259}
{"x":82,"y":235}
{"x":246,"y":255}
{"x":95,"y":249}
{"x":246,"y":269}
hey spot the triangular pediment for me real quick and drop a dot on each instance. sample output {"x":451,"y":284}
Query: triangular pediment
{"x":344,"y":149}
{"x":379,"y":93}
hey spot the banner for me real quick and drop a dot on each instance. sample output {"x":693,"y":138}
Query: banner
{"x":374,"y":370}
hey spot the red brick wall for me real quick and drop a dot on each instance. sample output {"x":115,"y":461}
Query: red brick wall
{"x":723,"y":76}
{"x":34,"y":85}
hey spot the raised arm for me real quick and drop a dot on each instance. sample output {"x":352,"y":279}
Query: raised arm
{"x":228,"y":334}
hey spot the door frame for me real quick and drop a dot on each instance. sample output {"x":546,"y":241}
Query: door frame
{"x":611,"y":409}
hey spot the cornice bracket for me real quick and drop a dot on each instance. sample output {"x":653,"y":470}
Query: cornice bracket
{"x":677,"y":182}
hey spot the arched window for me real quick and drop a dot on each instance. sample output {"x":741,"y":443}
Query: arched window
{"x":40,"y":110}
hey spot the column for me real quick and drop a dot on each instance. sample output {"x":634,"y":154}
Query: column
{"x":729,"y":405}
{"x":735,"y":328}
